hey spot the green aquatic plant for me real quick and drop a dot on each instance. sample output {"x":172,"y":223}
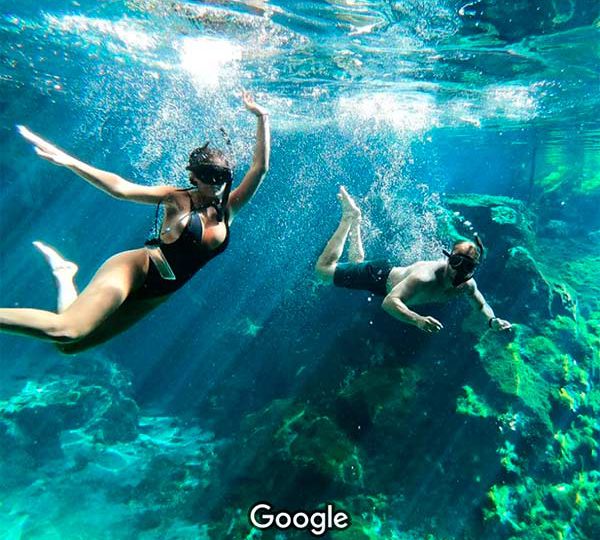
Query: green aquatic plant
{"x":509,"y":458}
{"x":578,"y":443}
{"x":539,"y":369}
{"x":563,"y":457}
{"x":501,"y":506}
{"x":571,"y":335}
{"x":472,"y":405}
{"x":567,"y":398}
{"x":534,"y":509}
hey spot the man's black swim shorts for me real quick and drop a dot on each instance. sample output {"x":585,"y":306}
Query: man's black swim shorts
{"x":368,"y":276}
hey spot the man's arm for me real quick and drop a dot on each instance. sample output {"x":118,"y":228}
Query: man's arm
{"x":479,"y":304}
{"x":394,"y":304}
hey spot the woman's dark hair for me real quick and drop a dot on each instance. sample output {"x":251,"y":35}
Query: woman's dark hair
{"x":204,"y":156}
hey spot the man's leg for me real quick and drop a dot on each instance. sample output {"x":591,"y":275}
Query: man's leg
{"x":64,"y":274}
{"x":328,"y":260}
{"x":356,"y":253}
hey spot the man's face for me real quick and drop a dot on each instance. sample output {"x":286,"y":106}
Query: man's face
{"x":460,"y":267}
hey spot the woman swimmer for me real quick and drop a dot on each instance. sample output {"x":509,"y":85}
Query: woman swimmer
{"x":130,"y":284}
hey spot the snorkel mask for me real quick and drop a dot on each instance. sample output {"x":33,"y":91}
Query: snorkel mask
{"x":211,"y":174}
{"x":464,"y":264}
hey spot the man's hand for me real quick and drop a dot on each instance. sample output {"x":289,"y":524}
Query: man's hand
{"x":500,"y":325}
{"x":429,"y":324}
{"x":45,"y":149}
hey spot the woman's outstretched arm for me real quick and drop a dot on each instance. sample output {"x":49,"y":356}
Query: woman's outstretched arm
{"x":260,"y":163}
{"x":108,"y":182}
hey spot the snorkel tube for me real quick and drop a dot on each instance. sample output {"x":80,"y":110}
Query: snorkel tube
{"x":479,"y":245}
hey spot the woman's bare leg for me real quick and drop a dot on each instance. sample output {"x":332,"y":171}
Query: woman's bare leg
{"x":64,"y":275}
{"x":328,"y":260}
{"x":108,"y":289}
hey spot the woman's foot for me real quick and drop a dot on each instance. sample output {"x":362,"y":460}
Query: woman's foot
{"x":349,"y":208}
{"x":58,"y":264}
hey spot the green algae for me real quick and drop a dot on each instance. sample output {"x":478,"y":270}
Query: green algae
{"x":509,"y":459}
{"x":572,"y":336}
{"x":548,"y":510}
{"x":508,"y":368}
{"x":501,"y":506}
{"x":563,"y":502}
{"x":472,"y":405}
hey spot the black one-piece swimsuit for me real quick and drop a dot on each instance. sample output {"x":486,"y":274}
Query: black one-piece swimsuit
{"x":185,"y":256}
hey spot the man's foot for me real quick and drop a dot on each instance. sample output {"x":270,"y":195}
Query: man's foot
{"x":58,"y":264}
{"x":349,"y":208}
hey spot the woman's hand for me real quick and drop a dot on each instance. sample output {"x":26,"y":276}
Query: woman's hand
{"x":46,"y":150}
{"x":251,"y":105}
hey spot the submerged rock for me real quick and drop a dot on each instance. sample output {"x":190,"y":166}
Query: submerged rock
{"x":529,"y":289}
{"x":513,"y":375}
{"x":502,"y":222}
{"x":36,"y":417}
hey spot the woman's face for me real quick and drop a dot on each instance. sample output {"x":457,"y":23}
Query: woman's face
{"x":208,"y":190}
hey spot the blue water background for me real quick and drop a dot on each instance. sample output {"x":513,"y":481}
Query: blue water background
{"x":468,"y":121}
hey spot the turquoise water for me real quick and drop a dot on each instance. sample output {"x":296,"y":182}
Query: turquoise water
{"x":254,"y":382}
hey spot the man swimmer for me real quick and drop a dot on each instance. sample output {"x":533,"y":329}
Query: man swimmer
{"x":403,"y":287}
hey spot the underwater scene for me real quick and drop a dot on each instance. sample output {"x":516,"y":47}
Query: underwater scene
{"x":399,"y":335}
